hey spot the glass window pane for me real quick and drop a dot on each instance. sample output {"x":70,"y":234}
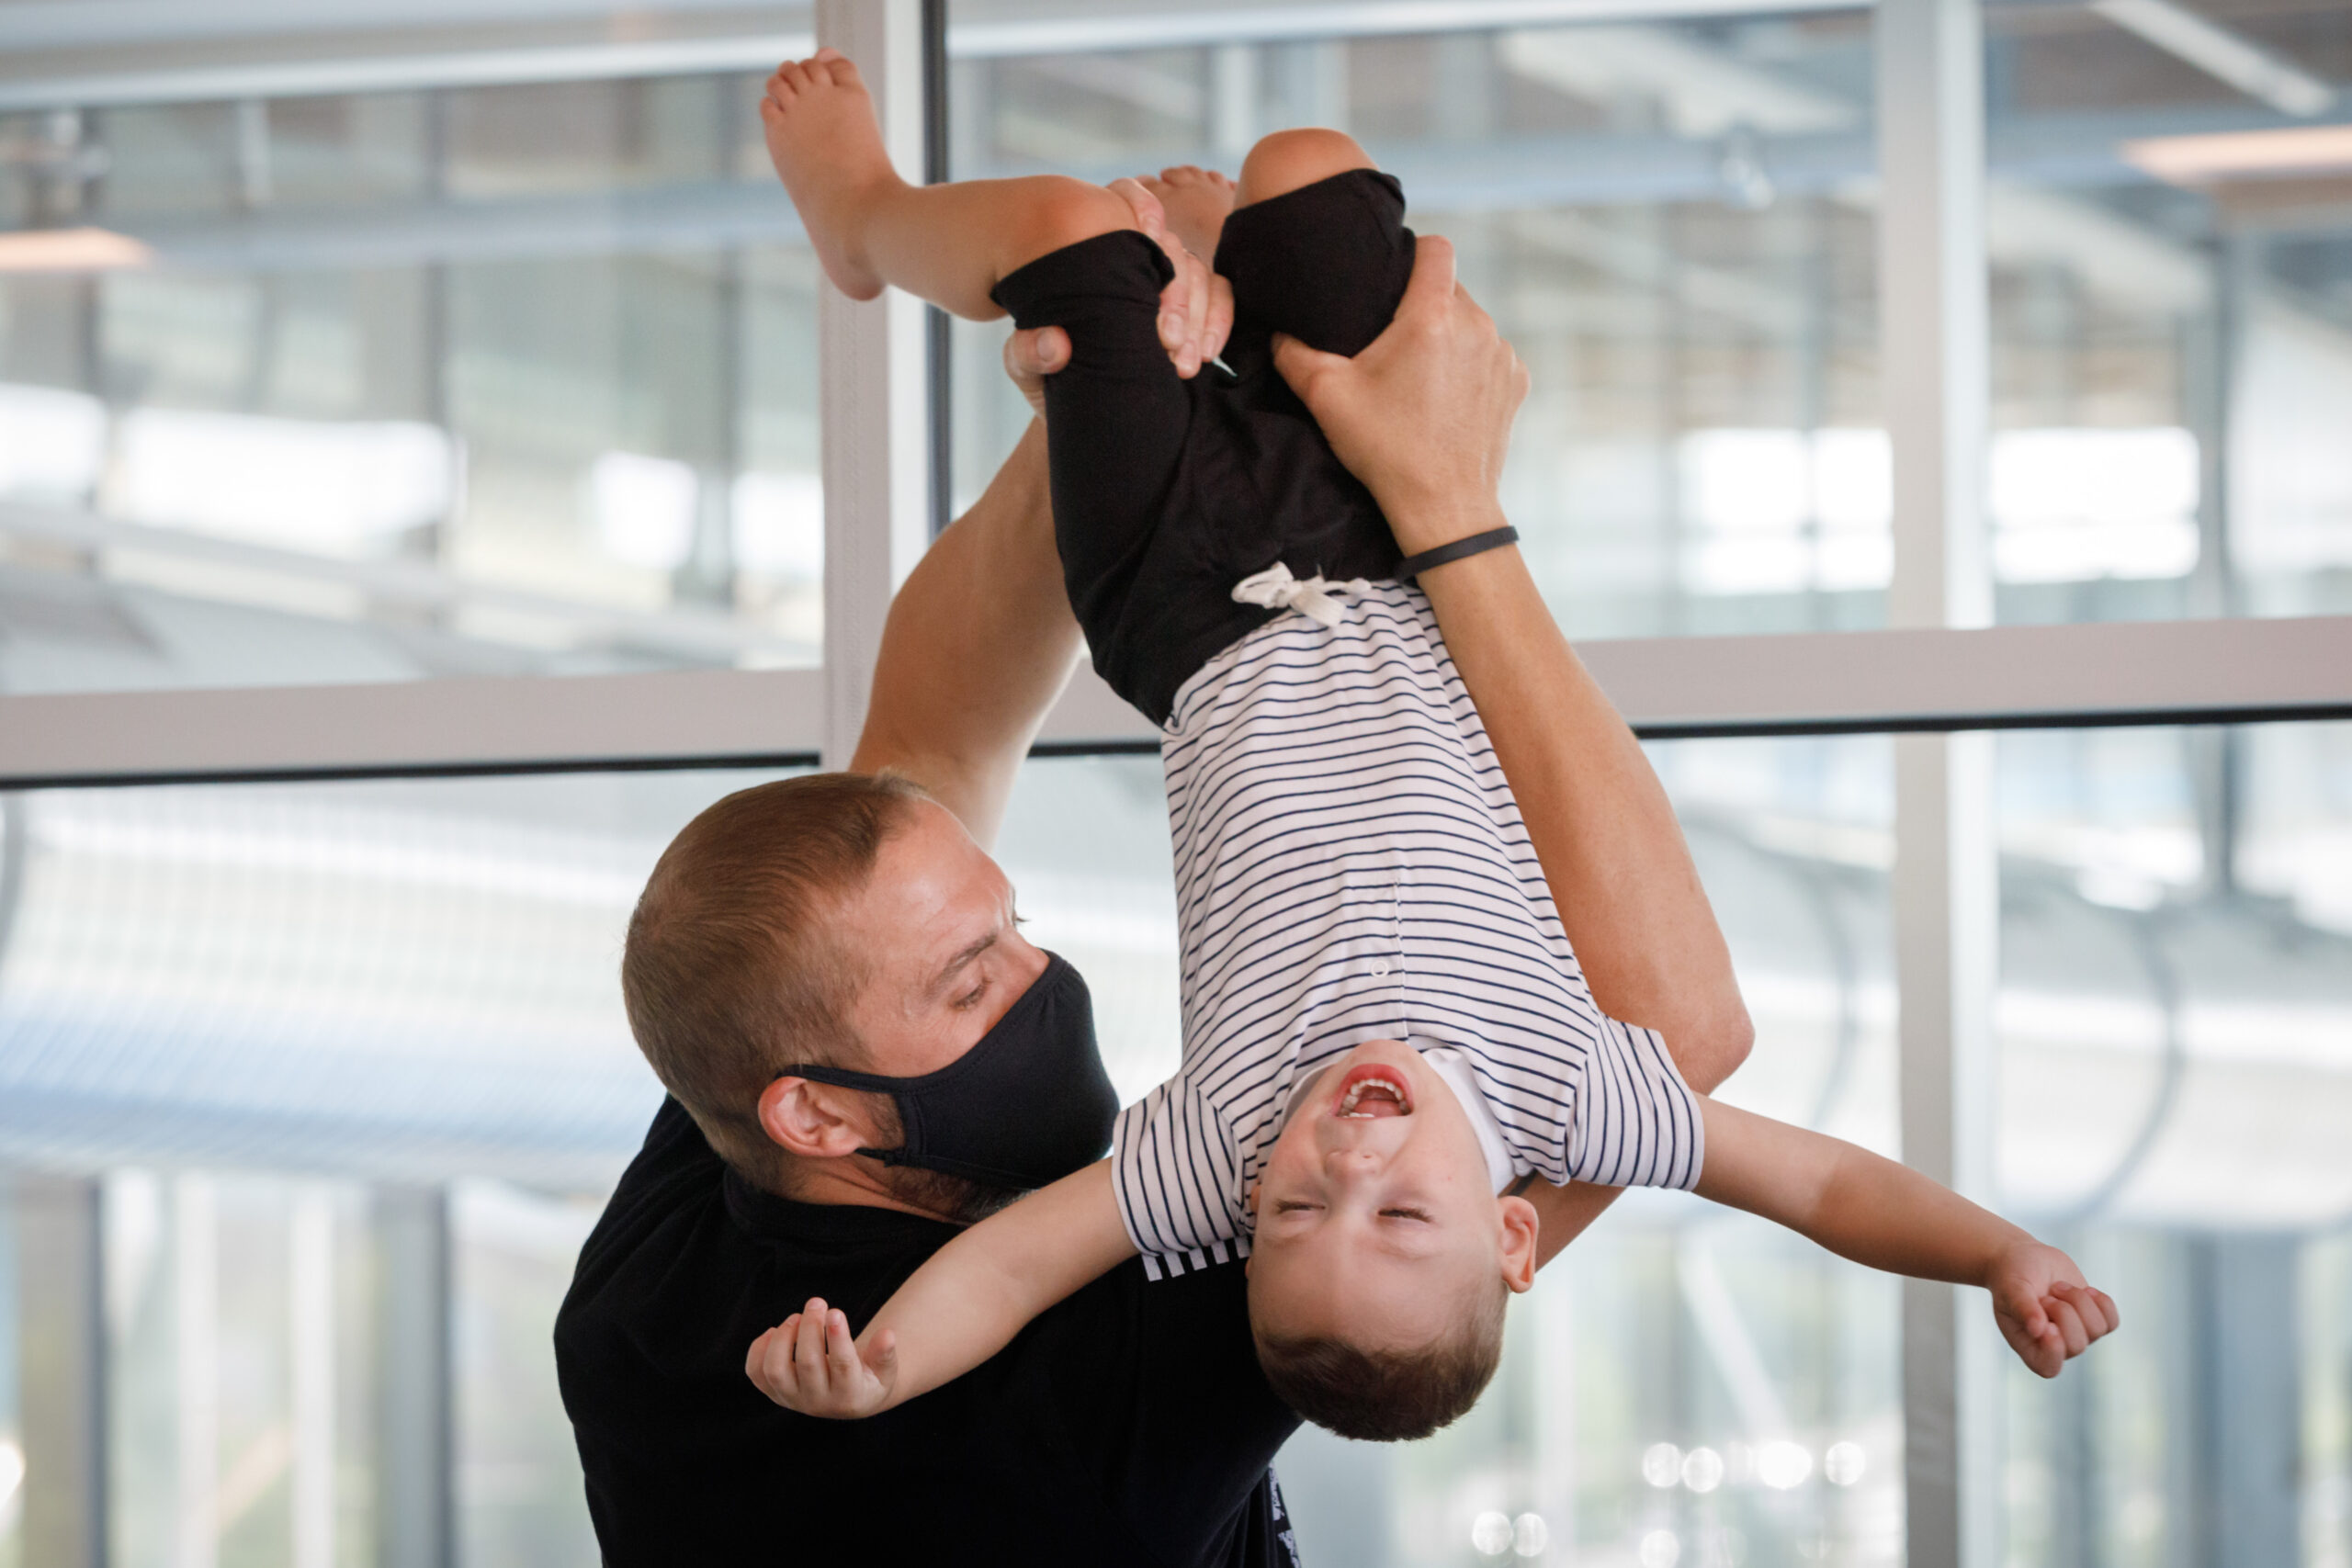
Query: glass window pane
{"x":12,"y":1447}
{"x":265,"y":1013}
{"x":2172,"y":310}
{"x":1670,"y":220}
{"x":2176,"y":1078}
{"x":474,"y":380}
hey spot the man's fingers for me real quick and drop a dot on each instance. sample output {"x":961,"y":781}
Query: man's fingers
{"x":1040,"y":351}
{"x":1220,"y":325}
{"x":1303,"y":368}
{"x":1195,"y":277}
{"x":1183,"y":310}
{"x":1470,"y":310}
{"x":1031,"y":357}
{"x":1431,"y":284}
{"x":1150,"y":217}
{"x":1177,"y":323}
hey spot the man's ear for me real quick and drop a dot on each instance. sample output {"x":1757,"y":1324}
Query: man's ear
{"x":813,"y":1120}
{"x":1521,"y":1225}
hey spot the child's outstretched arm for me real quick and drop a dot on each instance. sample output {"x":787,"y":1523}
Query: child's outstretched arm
{"x":1889,"y":1216}
{"x":961,"y":1307}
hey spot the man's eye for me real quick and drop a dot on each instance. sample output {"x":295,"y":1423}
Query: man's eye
{"x":970,"y":999}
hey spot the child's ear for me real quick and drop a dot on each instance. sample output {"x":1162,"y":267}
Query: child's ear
{"x":1520,"y":1226}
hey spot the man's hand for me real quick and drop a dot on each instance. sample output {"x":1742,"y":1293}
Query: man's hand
{"x":810,"y":1363}
{"x":1422,"y":417}
{"x":2045,"y":1309}
{"x":1195,"y":311}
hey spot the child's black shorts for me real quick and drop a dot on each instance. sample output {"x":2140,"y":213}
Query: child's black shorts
{"x":1168,"y":493}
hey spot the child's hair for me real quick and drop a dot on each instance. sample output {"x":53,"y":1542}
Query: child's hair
{"x":1388,"y":1396}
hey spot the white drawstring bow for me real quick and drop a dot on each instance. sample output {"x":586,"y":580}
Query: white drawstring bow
{"x":1276,"y":589}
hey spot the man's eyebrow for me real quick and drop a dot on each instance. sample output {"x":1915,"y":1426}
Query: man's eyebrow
{"x":947,"y":971}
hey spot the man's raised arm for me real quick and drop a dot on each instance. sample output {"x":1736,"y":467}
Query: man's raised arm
{"x":979,"y":643}
{"x":1423,"y":417}
{"x":980,"y":639}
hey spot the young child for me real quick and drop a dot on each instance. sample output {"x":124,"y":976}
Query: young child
{"x":1384,"y":1024}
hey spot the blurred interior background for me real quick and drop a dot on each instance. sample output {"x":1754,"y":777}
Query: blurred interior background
{"x":429,"y":340}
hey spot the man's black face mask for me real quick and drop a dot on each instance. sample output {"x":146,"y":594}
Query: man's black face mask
{"x":1025,"y":1106}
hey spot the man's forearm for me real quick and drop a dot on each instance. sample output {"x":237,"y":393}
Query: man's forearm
{"x":1564,"y":1214}
{"x":1620,"y":872}
{"x":979,"y":643}
{"x":1628,"y":894}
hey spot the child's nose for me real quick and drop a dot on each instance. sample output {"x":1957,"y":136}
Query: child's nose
{"x":1349,"y":1164}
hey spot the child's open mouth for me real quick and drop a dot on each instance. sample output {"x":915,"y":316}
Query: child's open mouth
{"x":1373,"y":1090}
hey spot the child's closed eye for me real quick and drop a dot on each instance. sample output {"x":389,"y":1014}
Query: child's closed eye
{"x":1421,"y":1214}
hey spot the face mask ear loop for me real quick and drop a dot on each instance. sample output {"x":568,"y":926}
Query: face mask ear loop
{"x":863,"y":1083}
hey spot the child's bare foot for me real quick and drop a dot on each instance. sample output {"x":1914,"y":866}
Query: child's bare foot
{"x":826,"y":144}
{"x":1197,"y":201}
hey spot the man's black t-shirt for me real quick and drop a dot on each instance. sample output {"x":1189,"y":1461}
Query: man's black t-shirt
{"x":1128,"y":1425}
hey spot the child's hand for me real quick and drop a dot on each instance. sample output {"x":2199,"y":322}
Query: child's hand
{"x":810,"y":1363}
{"x":2045,"y":1309}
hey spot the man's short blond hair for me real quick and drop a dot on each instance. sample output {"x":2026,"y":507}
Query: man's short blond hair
{"x":730,"y":973}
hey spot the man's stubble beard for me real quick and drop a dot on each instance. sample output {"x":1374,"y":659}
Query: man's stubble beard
{"x":957,"y":1200}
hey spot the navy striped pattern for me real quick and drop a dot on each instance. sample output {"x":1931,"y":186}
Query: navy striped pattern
{"x":1350,"y":865}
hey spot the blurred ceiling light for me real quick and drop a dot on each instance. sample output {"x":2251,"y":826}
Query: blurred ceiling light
{"x":2243,"y":154}
{"x":2222,"y":53}
{"x":331,"y":487}
{"x":71,"y":250}
{"x":644,"y":509}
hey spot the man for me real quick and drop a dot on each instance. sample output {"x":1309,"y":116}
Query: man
{"x":864,"y":1049}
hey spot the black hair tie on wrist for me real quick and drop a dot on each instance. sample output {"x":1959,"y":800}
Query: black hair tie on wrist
{"x":1476,"y":544}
